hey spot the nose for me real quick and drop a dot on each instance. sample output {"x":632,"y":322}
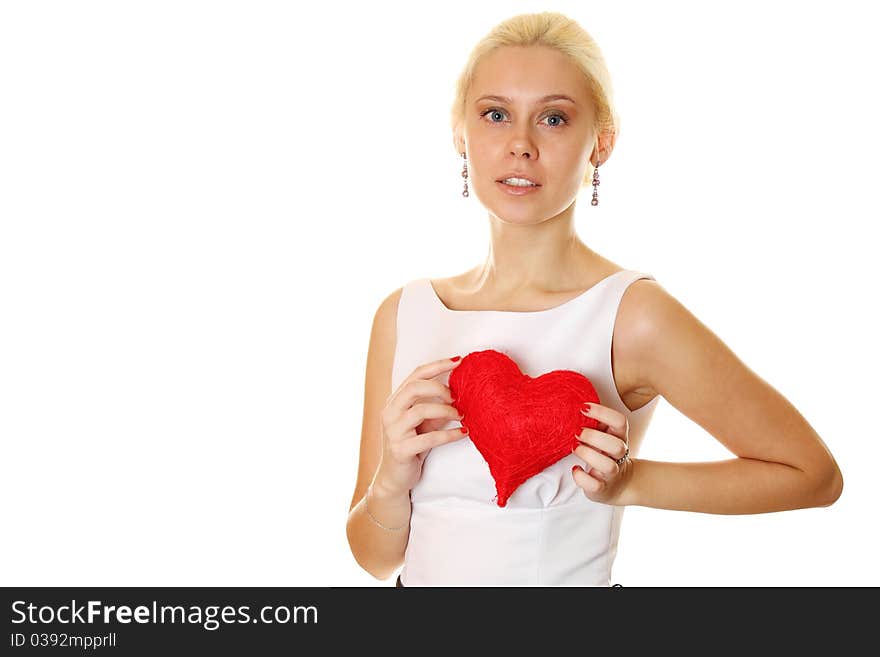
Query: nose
{"x":521,"y":145}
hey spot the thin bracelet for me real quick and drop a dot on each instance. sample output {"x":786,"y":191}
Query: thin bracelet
{"x":373,"y":518}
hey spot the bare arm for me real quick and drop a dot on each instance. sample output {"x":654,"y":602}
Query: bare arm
{"x":781,"y":463}
{"x":378,"y":551}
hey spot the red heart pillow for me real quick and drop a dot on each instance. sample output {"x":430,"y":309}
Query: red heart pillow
{"x":521,"y":425}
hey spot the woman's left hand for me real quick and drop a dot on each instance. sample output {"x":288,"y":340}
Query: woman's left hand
{"x":603,"y":480}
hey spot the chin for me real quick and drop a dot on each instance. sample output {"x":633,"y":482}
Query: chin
{"x":525,"y":210}
{"x":523,"y":217}
{"x":523,"y":214}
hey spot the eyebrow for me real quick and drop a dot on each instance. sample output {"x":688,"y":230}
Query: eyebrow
{"x":545,"y":99}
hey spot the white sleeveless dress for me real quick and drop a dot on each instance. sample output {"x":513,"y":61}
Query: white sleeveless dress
{"x":549,"y":533}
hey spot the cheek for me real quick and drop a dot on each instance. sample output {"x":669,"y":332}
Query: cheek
{"x":565,"y":172}
{"x":574,"y":170}
{"x":573,"y":160}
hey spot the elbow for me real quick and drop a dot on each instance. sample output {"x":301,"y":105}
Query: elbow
{"x":831,"y":488}
{"x":353,"y":545}
{"x":360,"y":558}
{"x":365,"y":566}
{"x":379,"y":576}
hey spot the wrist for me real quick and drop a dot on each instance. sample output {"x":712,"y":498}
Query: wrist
{"x":629,"y":495}
{"x":390,"y":506}
{"x":382,"y":490}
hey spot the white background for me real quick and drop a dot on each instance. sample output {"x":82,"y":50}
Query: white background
{"x":203,"y":203}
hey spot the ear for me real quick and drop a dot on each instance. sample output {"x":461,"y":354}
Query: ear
{"x":458,"y":141}
{"x":605,"y":147}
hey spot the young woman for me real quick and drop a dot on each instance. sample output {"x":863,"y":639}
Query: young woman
{"x":533,"y":120}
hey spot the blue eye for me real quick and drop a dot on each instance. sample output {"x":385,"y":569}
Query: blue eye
{"x":493,"y":111}
{"x":552,"y":115}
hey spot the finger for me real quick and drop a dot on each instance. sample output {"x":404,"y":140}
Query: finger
{"x":604,"y":464}
{"x":615,"y":422}
{"x":610,"y":445}
{"x":417,"y":389}
{"x":412,"y":446}
{"x":416,"y":414}
{"x":434,"y":368}
{"x":585,"y":480}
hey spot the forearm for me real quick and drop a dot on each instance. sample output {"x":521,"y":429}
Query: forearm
{"x":380,"y":551}
{"x":734,"y":486}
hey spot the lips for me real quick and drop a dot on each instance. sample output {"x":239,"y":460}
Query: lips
{"x":518,"y":175}
{"x":518,"y":190}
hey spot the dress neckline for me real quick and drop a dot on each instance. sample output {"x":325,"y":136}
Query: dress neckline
{"x":564,"y":304}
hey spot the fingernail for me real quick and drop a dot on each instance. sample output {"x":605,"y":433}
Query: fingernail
{"x":455,"y":358}
{"x":586,"y":407}
{"x":463,"y":429}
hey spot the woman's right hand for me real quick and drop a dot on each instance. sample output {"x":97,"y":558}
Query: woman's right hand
{"x":410,"y":425}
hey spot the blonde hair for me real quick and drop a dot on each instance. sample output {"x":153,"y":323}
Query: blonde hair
{"x":553,"y":30}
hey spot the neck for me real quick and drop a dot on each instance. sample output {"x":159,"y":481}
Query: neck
{"x":535,"y":257}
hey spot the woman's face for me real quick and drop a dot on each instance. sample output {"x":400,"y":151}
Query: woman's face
{"x":550,"y":141}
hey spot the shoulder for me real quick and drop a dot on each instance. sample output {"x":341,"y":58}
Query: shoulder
{"x":383,"y":344}
{"x":388,"y":305}
{"x":385,"y":316}
{"x":653,"y":328}
{"x":639,"y":319}
{"x":641,"y":306}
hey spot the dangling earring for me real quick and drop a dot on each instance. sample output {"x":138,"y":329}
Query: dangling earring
{"x":595,"y":200}
{"x":464,"y":175}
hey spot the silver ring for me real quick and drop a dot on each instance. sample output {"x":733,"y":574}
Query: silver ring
{"x":623,"y":458}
